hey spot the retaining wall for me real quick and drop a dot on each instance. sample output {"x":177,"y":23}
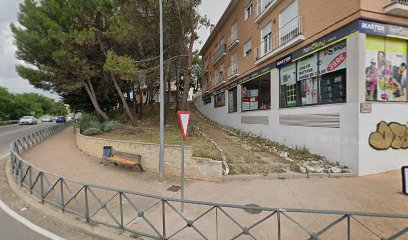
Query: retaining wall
{"x":195,"y":168}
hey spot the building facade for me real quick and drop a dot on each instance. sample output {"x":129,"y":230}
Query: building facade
{"x":328,"y":75}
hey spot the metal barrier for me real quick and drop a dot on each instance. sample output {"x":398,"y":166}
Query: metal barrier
{"x":158,"y":217}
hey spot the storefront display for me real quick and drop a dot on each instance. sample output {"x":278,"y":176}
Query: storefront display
{"x":219,"y":100}
{"x":256,"y":94}
{"x":320,"y":78}
{"x":386,"y":69}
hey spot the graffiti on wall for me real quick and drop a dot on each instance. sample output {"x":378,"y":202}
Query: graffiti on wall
{"x":392,"y":135}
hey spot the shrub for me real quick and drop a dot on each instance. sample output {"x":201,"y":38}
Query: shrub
{"x":92,"y":131}
{"x":111,"y":125}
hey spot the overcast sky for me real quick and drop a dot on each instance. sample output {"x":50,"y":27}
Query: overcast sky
{"x":8,"y":14}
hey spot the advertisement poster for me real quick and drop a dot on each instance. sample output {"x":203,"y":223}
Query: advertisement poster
{"x":309,"y":91}
{"x":307,"y":67}
{"x":288,"y":74}
{"x":386,"y":69}
{"x":333,"y":58}
{"x":250,"y":99}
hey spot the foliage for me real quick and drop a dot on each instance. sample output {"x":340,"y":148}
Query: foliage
{"x":14,"y":106}
{"x":111,"y":125}
{"x":92,"y":131}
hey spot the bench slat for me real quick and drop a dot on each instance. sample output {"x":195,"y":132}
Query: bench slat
{"x":123,"y":161}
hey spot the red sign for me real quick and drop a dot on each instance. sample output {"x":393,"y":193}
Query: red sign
{"x":337,"y":61}
{"x":184,"y":120}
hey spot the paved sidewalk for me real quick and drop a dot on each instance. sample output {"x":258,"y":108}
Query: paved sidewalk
{"x":375,"y":193}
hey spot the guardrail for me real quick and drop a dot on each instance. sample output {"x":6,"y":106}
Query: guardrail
{"x":158,"y":217}
{"x":2,"y":123}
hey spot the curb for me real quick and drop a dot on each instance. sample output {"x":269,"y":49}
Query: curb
{"x":98,"y":231}
{"x":278,"y":176}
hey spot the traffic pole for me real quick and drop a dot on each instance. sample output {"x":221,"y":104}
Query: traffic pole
{"x":161,"y":160}
{"x":182,"y":174}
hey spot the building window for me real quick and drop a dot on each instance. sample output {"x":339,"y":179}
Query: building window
{"x":316,"y":79}
{"x":248,"y":11}
{"x":232,"y":100}
{"x":206,"y":100}
{"x":266,"y":45}
{"x":386,"y":69}
{"x":256,"y":94}
{"x":248,"y":48}
{"x":289,"y":23}
{"x":219,"y":100}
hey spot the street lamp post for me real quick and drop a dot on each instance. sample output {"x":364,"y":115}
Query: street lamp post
{"x":161,"y":163}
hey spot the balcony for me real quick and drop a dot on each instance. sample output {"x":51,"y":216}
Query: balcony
{"x":233,"y":71}
{"x":219,"y":79}
{"x":264,"y":7}
{"x":219,"y":53}
{"x":287,"y":36}
{"x":233,"y":40}
{"x":397,"y":8}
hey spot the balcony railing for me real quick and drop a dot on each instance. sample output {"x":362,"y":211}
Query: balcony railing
{"x":233,"y":70}
{"x":263,"y":7}
{"x":397,"y":8}
{"x":277,"y":40}
{"x":219,"y":78}
{"x":219,"y":53}
{"x":233,"y":39}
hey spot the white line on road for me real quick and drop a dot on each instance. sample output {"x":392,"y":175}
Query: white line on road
{"x":27,"y":223}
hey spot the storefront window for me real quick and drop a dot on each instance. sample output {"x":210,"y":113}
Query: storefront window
{"x":232,"y":100}
{"x":219,"y":100}
{"x":316,"y":79}
{"x":386,"y":69}
{"x":206,"y":100}
{"x":256,"y":94}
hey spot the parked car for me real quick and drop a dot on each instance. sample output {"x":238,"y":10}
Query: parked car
{"x":47,"y":119}
{"x":60,"y":119}
{"x":27,"y":120}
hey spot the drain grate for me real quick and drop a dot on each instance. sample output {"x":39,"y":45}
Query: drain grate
{"x":174,"y":188}
{"x":252,"y":211}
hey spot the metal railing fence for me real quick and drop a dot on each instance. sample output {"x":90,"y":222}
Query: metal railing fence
{"x":159,"y":217}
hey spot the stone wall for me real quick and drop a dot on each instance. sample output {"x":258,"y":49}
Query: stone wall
{"x":195,"y":168}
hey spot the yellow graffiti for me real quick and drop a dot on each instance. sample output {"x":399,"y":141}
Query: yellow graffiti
{"x":392,"y":135}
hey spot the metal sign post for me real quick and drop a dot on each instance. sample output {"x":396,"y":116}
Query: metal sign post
{"x":184,"y":120}
{"x":404,"y":172}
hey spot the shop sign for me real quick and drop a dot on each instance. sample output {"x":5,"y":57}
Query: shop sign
{"x":333,"y":58}
{"x":307,"y":67}
{"x":283,"y":61}
{"x":381,"y":29}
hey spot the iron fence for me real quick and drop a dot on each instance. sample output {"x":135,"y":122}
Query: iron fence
{"x":158,"y":217}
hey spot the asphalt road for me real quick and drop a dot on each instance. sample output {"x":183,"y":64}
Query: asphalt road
{"x":10,"y":229}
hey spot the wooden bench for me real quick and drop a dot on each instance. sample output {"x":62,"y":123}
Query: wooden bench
{"x":121,"y":158}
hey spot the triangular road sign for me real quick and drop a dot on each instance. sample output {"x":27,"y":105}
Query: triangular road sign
{"x":184,"y":120}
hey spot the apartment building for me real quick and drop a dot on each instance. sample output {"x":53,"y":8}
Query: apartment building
{"x":325,"y":74}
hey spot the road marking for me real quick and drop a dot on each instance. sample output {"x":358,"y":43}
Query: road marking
{"x":28,"y":224}
{"x":24,"y":221}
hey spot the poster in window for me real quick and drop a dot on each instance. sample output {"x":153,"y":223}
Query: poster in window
{"x":333,"y":58}
{"x":288,"y":74}
{"x":307,"y":68}
{"x":309,"y":91}
{"x":386,"y":69}
{"x":253,"y":99}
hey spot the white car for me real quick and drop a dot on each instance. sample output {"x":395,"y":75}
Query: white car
{"x":28,"y":120}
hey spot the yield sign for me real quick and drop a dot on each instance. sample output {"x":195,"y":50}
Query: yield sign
{"x":184,"y":120}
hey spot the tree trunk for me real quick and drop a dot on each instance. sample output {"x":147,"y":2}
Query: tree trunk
{"x":122,"y":98}
{"x":141,"y":99}
{"x":178,"y":87}
{"x":91,"y":93}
